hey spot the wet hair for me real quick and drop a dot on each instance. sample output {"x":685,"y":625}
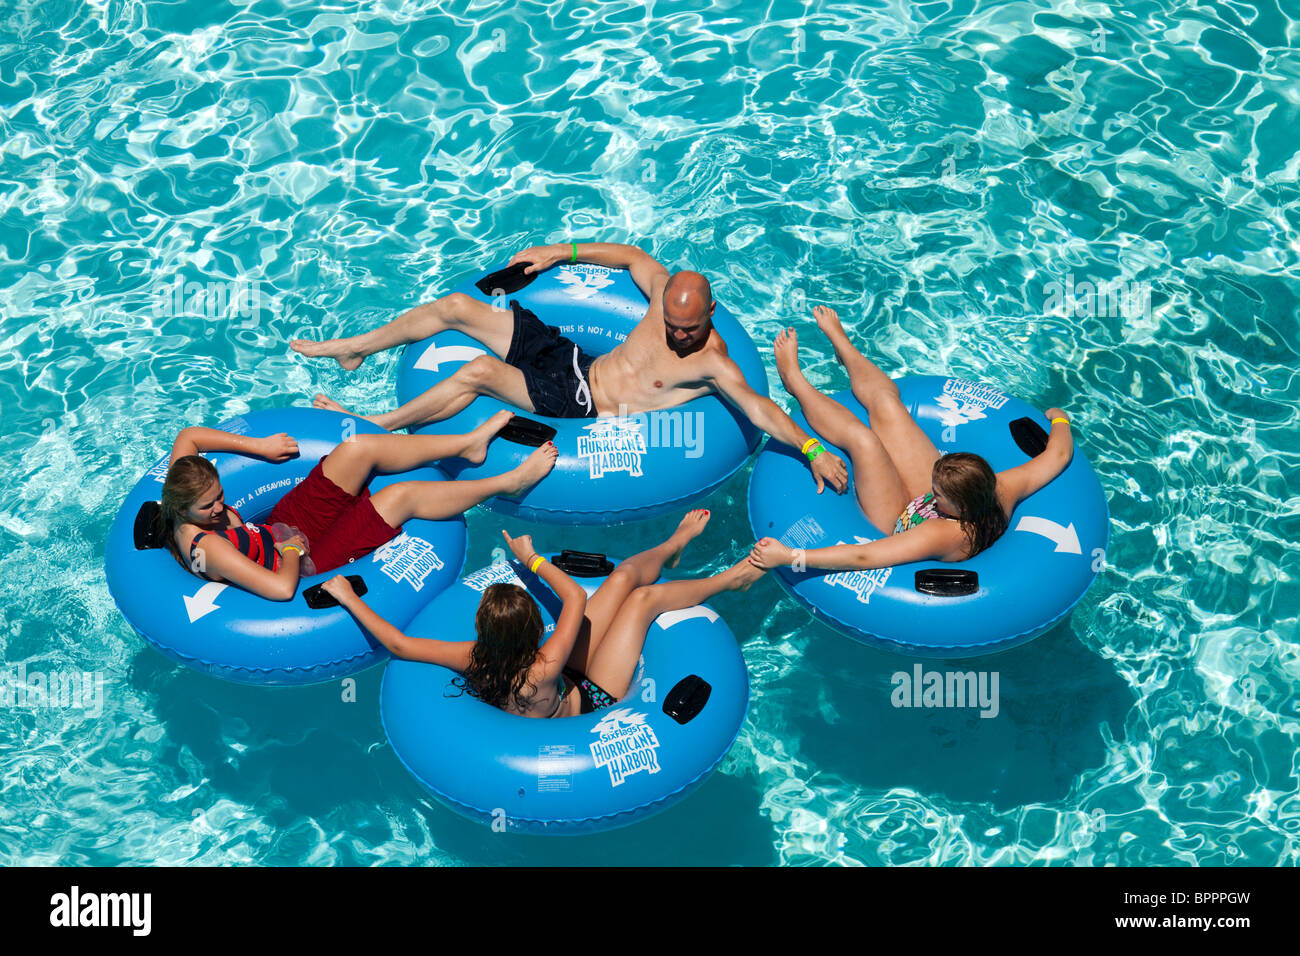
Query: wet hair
{"x":187,"y":479}
{"x":509,"y":628}
{"x":970,"y":483}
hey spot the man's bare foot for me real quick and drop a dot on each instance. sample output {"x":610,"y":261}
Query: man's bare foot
{"x":341,"y":350}
{"x":477,"y":441}
{"x":689,"y":528}
{"x":743,"y":575}
{"x":787,"y":360}
{"x":535,"y":467}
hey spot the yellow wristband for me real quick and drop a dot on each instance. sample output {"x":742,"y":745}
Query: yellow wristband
{"x":1063,"y":421}
{"x":808,"y":444}
{"x":291,"y":547}
{"x":537,"y":563}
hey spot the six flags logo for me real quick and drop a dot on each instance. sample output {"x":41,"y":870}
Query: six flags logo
{"x":613,"y":444}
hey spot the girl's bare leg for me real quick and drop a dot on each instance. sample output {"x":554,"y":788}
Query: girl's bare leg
{"x":636,"y":571}
{"x":436,"y":500}
{"x":350,"y":464}
{"x":613,"y":661}
{"x":910,"y":448}
{"x":882,"y":495}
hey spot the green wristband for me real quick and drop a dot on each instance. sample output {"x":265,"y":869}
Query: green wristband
{"x":816,"y":450}
{"x":575,"y":252}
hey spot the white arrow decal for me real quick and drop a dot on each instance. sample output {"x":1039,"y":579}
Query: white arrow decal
{"x":1066,"y":539}
{"x":447,"y":353}
{"x":202,"y":602}
{"x":669,"y":618}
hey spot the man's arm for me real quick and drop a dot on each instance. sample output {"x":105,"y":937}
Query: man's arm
{"x":642,"y":267}
{"x":727,"y":379}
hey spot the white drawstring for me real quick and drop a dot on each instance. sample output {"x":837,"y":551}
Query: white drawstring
{"x":583,"y":393}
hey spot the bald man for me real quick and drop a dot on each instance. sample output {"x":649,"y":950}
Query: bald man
{"x":673,"y":355}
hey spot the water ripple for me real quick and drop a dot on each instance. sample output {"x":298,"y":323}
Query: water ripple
{"x":933,"y":171}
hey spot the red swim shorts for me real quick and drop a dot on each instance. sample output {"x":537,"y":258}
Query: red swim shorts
{"x":339,"y":527}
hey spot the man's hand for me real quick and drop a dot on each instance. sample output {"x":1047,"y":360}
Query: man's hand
{"x":542,"y":258}
{"x":829,"y":468}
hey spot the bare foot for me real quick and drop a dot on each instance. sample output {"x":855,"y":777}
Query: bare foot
{"x":689,"y":528}
{"x":743,"y":575}
{"x":828,"y":320}
{"x":477,"y":441}
{"x":324,"y":401}
{"x":787,"y":360}
{"x":337,"y":349}
{"x":535,"y":467}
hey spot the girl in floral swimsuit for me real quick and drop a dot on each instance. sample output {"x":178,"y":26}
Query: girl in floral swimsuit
{"x":930,"y":506}
{"x":596,"y":643}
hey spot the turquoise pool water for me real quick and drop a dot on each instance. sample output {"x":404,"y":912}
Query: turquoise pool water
{"x":929,"y":169}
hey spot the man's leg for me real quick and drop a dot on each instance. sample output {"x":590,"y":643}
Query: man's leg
{"x":492,"y":327}
{"x":484,"y":375}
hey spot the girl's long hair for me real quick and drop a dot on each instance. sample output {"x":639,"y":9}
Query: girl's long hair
{"x":187,"y":478}
{"x":970,"y":483}
{"x":509,"y":628}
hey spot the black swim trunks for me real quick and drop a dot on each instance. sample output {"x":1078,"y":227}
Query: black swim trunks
{"x":555,"y":370}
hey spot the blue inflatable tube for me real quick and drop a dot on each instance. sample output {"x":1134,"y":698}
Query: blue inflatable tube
{"x":1022,"y":585}
{"x":223,"y":630}
{"x":568,"y":775}
{"x":610,"y":469}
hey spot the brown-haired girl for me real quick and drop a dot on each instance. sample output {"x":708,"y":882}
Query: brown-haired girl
{"x":930,"y":506}
{"x":590,"y":659}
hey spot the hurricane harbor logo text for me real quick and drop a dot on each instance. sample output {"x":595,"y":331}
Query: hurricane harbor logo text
{"x":408,"y":558}
{"x":75,"y":908}
{"x":613,"y":444}
{"x":962,"y":402}
{"x":582,"y":281}
{"x":862,"y":583}
{"x":496,"y":573}
{"x":627,"y":745}
{"x":924,"y":688}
